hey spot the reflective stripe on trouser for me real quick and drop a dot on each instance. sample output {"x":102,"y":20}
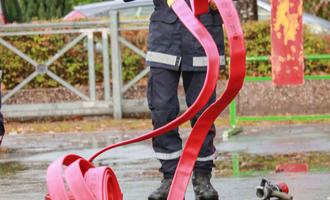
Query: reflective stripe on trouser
{"x":164,"y":105}
{"x":177,"y":154}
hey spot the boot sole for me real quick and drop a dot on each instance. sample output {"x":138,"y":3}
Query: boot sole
{"x":157,"y":198}
{"x":160,"y":199}
{"x":207,"y":198}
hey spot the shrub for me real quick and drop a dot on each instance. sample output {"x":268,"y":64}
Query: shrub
{"x":258,"y":42}
{"x":318,"y":7}
{"x":73,"y":66}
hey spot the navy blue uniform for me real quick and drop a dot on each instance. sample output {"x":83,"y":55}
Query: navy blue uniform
{"x":173,"y":51}
{"x":172,"y":46}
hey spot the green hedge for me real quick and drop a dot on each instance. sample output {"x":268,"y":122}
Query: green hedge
{"x":257,"y":36}
{"x":28,"y":10}
{"x":50,"y":9}
{"x":318,"y":7}
{"x":73,"y":66}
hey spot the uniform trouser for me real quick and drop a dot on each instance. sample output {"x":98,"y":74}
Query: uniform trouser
{"x":164,"y":105}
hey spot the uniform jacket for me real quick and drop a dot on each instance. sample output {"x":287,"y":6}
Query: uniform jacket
{"x":172,"y":46}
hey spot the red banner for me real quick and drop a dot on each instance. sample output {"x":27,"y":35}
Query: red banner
{"x":287,"y":42}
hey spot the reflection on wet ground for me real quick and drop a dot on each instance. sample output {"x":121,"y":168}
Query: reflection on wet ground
{"x":23,"y":165}
{"x":8,"y":168}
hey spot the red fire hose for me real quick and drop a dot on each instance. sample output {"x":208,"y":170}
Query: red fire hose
{"x":74,"y":178}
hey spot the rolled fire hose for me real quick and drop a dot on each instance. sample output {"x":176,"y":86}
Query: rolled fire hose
{"x":74,"y":178}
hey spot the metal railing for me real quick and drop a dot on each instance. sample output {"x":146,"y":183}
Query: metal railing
{"x":112,"y":101}
{"x":234,"y":118}
{"x":88,"y":103}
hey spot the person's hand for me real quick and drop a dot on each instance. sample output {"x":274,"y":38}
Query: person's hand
{"x":212,"y":4}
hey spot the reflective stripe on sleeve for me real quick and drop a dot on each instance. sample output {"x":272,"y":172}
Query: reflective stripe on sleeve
{"x":168,"y":156}
{"x":201,"y":61}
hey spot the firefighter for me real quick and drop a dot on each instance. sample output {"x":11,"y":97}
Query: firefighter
{"x":174,"y":52}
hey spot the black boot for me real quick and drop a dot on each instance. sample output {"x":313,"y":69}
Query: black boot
{"x":203,"y":188}
{"x":161,"y":193}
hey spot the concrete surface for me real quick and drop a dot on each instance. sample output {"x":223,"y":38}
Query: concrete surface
{"x":137,"y":178}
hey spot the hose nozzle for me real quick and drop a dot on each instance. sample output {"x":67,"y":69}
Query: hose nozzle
{"x":267,"y":190}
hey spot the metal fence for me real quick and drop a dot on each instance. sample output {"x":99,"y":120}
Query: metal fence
{"x":112,"y":101}
{"x":88,"y":103}
{"x":235,"y":118}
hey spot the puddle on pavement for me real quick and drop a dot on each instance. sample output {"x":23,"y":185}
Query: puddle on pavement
{"x":10,"y":168}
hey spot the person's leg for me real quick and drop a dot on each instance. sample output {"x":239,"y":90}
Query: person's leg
{"x":193,"y":83}
{"x":164,"y":105}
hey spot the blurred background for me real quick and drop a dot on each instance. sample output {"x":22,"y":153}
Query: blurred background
{"x":74,"y":80}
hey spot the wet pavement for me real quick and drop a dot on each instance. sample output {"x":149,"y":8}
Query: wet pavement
{"x":279,"y":139}
{"x":137,"y":179}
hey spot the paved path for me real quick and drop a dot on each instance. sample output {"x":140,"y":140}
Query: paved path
{"x":137,"y":179}
{"x":279,"y":139}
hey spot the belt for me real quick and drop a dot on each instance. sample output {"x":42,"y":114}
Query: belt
{"x":74,"y":178}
